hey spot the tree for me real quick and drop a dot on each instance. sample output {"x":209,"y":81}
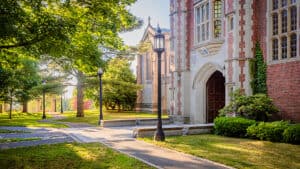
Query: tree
{"x":99,"y":23}
{"x":119,"y":85}
{"x":34,"y":27}
{"x":68,"y":31}
{"x":18,"y":78}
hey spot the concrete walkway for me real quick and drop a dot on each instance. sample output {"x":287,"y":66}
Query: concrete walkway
{"x":121,"y":140}
{"x":118,"y":138}
{"x":45,"y":136}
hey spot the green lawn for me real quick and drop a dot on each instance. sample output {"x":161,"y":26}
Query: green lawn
{"x":9,"y":140}
{"x":238,"y":153}
{"x":26,"y":119}
{"x":92,"y":116}
{"x":67,"y":155}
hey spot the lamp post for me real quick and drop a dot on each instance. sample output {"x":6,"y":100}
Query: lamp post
{"x":159,"y":47}
{"x":44,"y":105}
{"x":100,"y":72}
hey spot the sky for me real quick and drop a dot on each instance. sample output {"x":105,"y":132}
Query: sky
{"x":158,"y":10}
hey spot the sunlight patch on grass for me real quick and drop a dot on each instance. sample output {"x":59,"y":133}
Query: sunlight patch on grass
{"x":82,"y":152}
{"x":68,"y":155}
{"x":235,"y":152}
{"x":27,"y":120}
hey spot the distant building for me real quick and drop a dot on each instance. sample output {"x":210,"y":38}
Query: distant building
{"x":147,"y":72}
{"x":213,"y":42}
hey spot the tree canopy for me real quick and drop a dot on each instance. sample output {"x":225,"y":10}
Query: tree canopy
{"x":74,"y":34}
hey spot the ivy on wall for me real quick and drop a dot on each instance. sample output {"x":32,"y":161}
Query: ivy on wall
{"x":258,"y":70}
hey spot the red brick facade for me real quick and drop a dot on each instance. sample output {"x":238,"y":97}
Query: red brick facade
{"x":283,"y":82}
{"x":283,"y":79}
{"x":244,"y":23}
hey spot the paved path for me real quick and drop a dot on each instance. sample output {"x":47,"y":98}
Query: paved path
{"x":46,"y":136}
{"x":118,"y":138}
{"x":121,"y":139}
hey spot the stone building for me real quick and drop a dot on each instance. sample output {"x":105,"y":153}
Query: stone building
{"x":147,"y":72}
{"x":213,"y":41}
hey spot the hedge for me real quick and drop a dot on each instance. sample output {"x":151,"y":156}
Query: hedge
{"x":268,"y":131}
{"x":232,"y":126}
{"x":292,"y":134}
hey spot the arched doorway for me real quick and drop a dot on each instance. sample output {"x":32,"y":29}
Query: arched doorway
{"x":215,"y":95}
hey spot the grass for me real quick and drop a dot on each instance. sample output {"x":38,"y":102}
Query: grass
{"x":9,"y":140}
{"x":238,"y":153}
{"x":92,"y":116}
{"x":26,"y":120}
{"x":67,"y":155}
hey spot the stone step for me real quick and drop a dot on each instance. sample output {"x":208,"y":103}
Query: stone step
{"x":133,"y":122}
{"x":174,"y":130}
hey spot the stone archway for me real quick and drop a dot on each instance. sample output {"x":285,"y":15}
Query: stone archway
{"x":215,"y":95}
{"x":199,"y":96}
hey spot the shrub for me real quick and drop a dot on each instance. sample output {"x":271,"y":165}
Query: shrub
{"x":292,"y":134}
{"x":271,"y":131}
{"x":232,"y":126}
{"x":258,"y":107}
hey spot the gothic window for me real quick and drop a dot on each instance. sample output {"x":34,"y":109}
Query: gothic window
{"x":284,"y":29}
{"x":202,"y":22}
{"x":284,"y":47}
{"x":208,"y":19}
{"x":283,"y":3}
{"x":293,"y":18}
{"x":148,"y":67}
{"x":284,"y":21}
{"x":217,"y":18}
{"x":293,"y":45}
{"x":275,"y":4}
{"x":198,"y":24}
{"x":275,"y":49}
{"x":275,"y":24}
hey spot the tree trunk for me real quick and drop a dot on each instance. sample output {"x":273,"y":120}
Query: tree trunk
{"x":1,"y":108}
{"x":25,"y":107}
{"x":61,"y":104}
{"x":55,"y":105}
{"x":10,"y":106}
{"x":119,"y":107}
{"x":80,"y":111}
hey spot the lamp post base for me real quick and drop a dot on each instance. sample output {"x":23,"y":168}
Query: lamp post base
{"x":100,"y":123}
{"x":159,"y":135}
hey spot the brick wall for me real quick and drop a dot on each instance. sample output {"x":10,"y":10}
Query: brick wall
{"x":284,"y":88}
{"x":283,"y":80}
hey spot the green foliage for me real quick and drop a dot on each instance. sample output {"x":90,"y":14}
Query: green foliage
{"x":18,"y":78}
{"x":232,"y":126}
{"x":258,"y":107}
{"x":292,"y":134}
{"x":271,"y":131}
{"x":119,"y":85}
{"x":258,"y":70}
{"x":34,"y":26}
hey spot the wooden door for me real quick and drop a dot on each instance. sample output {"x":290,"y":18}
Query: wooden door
{"x":215,"y":90}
